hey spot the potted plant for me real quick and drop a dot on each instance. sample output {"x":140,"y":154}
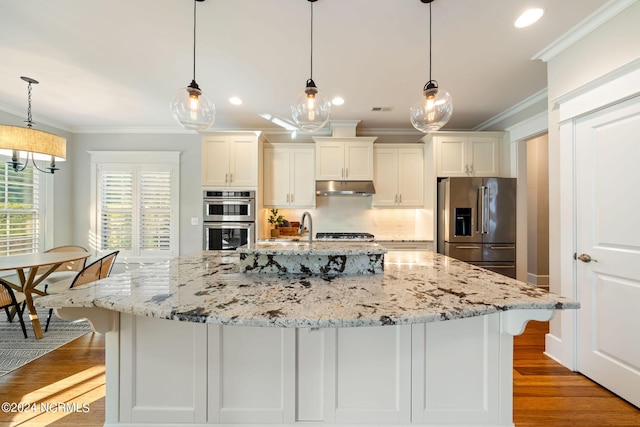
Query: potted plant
{"x":276,"y":220}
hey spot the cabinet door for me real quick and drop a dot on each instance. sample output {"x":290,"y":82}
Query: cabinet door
{"x":483,"y":155}
{"x":451,"y":156}
{"x":411,"y":177}
{"x":358,"y":161}
{"x":385,"y":178}
{"x":215,"y":161}
{"x":243,"y":162}
{"x":302,"y":181}
{"x":329,"y":161}
{"x":276,"y":176}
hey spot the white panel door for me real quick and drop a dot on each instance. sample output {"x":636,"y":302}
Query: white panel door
{"x":329,"y":160}
{"x":251,"y":375}
{"x":276,"y":176}
{"x":483,"y":156}
{"x":385,"y":177}
{"x":151,"y":393}
{"x":243,"y":161}
{"x":358,"y":160}
{"x":371,"y":375}
{"x":411,"y":177}
{"x":451,"y":156}
{"x":215,"y":161}
{"x":607,"y":147}
{"x":302,"y":181}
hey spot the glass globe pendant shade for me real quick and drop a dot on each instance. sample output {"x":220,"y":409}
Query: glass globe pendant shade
{"x":193,"y":109}
{"x":433,"y":110}
{"x":311,"y":110}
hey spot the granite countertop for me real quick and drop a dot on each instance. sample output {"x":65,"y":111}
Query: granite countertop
{"x":416,"y":287}
{"x":316,"y":248}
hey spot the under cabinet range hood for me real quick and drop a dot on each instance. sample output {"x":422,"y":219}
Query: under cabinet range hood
{"x":345,"y":188}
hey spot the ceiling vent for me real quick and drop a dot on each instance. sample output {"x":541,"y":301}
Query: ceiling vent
{"x":380,"y":109}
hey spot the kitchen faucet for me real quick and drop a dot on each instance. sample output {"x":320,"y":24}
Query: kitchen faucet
{"x":301,"y":228}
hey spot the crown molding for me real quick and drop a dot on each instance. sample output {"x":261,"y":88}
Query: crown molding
{"x":582,"y":29}
{"x":512,"y":111}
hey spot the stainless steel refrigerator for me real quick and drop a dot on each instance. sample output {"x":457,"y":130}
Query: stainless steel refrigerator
{"x":477,"y":222}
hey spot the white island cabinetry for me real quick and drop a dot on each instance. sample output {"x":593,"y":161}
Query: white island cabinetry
{"x":194,"y":341}
{"x":391,"y":375}
{"x":398,"y":175}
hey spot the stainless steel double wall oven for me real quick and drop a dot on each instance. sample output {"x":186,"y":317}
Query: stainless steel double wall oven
{"x":229,"y":219}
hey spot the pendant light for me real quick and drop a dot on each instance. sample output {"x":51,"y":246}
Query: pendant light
{"x":433,"y":110}
{"x":311,"y":110}
{"x":35,"y":144}
{"x":189,"y":106}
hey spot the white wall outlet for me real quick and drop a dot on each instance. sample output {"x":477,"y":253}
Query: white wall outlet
{"x":195,"y":221}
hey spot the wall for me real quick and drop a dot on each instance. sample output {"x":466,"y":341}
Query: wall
{"x":538,"y":211}
{"x":190,"y":180}
{"x":354,"y":214}
{"x":612,"y":45}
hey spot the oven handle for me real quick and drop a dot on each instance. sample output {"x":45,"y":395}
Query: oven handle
{"x":228,"y":201}
{"x":227,"y":224}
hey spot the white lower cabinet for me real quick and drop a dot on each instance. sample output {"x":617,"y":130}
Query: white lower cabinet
{"x":454,"y":372}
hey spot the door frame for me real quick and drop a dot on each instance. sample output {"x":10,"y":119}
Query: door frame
{"x":612,"y":88}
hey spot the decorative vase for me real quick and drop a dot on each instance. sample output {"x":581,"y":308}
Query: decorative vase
{"x":275,"y":232}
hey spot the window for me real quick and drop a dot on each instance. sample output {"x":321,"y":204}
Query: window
{"x":136,"y":204}
{"x":20,"y":211}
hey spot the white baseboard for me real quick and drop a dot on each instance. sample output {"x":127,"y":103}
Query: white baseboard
{"x":553,"y":348}
{"x":538,"y":280}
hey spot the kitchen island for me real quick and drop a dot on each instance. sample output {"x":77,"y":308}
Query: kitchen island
{"x":193,"y":341}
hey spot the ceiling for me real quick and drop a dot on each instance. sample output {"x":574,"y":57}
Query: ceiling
{"x":113,"y":65}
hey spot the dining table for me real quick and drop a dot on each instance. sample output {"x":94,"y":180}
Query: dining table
{"x":29,"y":275}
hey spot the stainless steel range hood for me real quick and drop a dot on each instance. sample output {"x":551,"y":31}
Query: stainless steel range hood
{"x":345,"y":188}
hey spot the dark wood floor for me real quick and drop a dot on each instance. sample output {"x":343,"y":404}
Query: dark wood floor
{"x":545,"y":393}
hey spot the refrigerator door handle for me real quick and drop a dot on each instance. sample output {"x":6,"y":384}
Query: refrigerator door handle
{"x":482,"y":208}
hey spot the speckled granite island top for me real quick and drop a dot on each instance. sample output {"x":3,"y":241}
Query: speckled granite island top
{"x":207,"y":286}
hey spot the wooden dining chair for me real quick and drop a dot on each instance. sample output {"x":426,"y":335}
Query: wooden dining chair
{"x":76,"y":265}
{"x":10,"y":298}
{"x":99,"y":269}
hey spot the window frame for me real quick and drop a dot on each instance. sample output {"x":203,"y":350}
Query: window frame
{"x":44,"y":211}
{"x":136,"y":162}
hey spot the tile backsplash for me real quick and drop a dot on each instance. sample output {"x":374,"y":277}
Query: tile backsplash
{"x":354,"y":214}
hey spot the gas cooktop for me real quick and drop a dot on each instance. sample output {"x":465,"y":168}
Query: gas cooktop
{"x":355,"y":237}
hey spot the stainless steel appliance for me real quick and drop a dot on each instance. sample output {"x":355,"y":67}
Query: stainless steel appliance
{"x":477,"y":222}
{"x":229,"y":219}
{"x":353,"y":237}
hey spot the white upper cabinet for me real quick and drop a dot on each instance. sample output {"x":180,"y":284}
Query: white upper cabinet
{"x":230,"y":160}
{"x":398,"y":176}
{"x":467,"y":153}
{"x":344,"y":159}
{"x":289,"y":176}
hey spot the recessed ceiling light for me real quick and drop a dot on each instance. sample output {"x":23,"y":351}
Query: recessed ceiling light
{"x":337,"y":101}
{"x":235,"y":100}
{"x":528,"y":17}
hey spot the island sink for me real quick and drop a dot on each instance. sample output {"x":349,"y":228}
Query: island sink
{"x":319,"y":258}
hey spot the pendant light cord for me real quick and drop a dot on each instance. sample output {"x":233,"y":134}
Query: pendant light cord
{"x":430,"y":40}
{"x":195,"y":3}
{"x":311,"y":38}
